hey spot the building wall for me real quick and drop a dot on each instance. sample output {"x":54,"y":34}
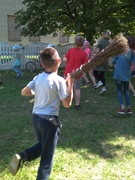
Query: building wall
{"x":10,"y":7}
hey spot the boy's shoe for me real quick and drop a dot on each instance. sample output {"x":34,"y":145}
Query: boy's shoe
{"x":78,"y":107}
{"x":98,"y":84}
{"x":87,"y":83}
{"x":102,"y":90}
{"x":15,"y":164}
{"x":129,"y":111}
{"x":122,"y":111}
{"x":95,"y":87}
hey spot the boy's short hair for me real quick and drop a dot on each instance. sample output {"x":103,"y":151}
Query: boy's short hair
{"x":79,"y":40}
{"x":49,"y":57}
{"x":131,"y":42}
{"x":106,"y":34}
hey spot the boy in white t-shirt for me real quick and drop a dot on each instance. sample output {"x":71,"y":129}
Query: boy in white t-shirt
{"x":49,"y":89}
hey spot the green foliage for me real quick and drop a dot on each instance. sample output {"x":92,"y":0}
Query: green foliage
{"x":75,"y":16}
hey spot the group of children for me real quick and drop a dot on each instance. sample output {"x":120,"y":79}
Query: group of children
{"x":124,"y":69}
{"x":49,"y":89}
{"x":75,"y":57}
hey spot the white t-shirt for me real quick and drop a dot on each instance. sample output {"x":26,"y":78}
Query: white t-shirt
{"x":49,"y":89}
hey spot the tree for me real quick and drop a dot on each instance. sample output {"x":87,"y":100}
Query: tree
{"x":77,"y":16}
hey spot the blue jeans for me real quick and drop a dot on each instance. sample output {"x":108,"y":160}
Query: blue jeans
{"x":17,"y":70}
{"x":47,"y":135}
{"x":122,"y":87}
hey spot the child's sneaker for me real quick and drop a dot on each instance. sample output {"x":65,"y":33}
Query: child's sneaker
{"x":78,"y":107}
{"x":102,"y":90}
{"x":95,"y":87}
{"x":98,"y":84}
{"x":15,"y":164}
{"x":129,"y":111}
{"x":87,"y":83}
{"x":122,"y":111}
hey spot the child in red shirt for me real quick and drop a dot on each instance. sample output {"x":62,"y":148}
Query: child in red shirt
{"x":75,"y":57}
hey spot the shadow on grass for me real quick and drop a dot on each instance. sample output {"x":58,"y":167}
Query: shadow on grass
{"x":98,"y":136}
{"x":95,"y":127}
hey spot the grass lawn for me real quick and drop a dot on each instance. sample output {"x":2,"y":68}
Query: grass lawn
{"x":95,"y":142}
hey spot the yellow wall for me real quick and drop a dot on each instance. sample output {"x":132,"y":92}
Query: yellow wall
{"x":10,"y":7}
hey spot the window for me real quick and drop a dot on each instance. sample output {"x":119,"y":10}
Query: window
{"x":14,"y":34}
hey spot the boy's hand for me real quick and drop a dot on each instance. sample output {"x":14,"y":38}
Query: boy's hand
{"x":69,"y":80}
{"x":68,"y":100}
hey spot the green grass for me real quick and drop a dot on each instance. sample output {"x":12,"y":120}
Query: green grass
{"x":95,"y":143}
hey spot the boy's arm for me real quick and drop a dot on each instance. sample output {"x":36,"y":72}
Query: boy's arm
{"x":67,"y":102}
{"x":65,"y":59}
{"x":26,"y":91}
{"x":97,"y":50}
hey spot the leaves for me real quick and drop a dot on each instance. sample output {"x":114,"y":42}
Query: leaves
{"x":75,"y":16}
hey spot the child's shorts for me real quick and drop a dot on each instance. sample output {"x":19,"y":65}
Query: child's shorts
{"x":78,"y":83}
